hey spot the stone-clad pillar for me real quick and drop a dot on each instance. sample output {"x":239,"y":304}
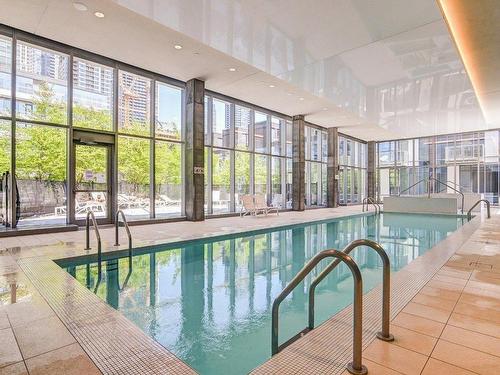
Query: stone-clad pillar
{"x":194,"y":184}
{"x":371,"y":171}
{"x":333,"y":168}
{"x":299,"y":164}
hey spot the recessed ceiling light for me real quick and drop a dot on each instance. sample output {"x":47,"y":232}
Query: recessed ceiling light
{"x":99,"y":14}
{"x":289,"y":93}
{"x":301,"y":98}
{"x":80,"y":6}
{"x":325,"y":109}
{"x":232,"y":69}
{"x":272,"y":86}
{"x":177,"y":46}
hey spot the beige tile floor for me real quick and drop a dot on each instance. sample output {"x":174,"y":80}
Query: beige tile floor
{"x":452,"y":326}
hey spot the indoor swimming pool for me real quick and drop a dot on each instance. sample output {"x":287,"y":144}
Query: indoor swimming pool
{"x":209,"y":301}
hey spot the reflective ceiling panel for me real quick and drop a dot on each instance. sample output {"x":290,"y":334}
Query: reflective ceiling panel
{"x":378,"y":70}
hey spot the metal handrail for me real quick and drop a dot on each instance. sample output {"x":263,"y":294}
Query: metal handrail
{"x":429,"y":190}
{"x":384,"y":334}
{"x":356,"y":366}
{"x":469,"y":213}
{"x":409,"y":187}
{"x":369,"y":200}
{"x":127,"y":229}
{"x":90,"y":214}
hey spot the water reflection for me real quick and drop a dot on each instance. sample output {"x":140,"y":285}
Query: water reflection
{"x":209,"y":302}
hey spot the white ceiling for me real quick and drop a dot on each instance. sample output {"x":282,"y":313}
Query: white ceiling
{"x":376,"y":69}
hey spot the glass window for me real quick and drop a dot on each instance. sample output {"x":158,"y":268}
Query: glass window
{"x":276,"y":186}
{"x":276,"y":126}
{"x":241,"y":176}
{"x":221,"y":180}
{"x":324,"y":147}
{"x":5,"y":75}
{"x":168,"y":115}
{"x":92,"y":95}
{"x":207,"y":121}
{"x":289,"y":139}
{"x":315,"y":144}
{"x":289,"y":182}
{"x":261,"y":138}
{"x":133,"y":177}
{"x":168,"y":179}
{"x":5,"y":139}
{"x":260,"y":168}
{"x":221,"y":123}
{"x":134,"y":103}
{"x":41,"y":174}
{"x":207,"y":178}
{"x":242,"y":121}
{"x":41,"y":84}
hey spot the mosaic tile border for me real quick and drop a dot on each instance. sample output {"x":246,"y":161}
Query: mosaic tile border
{"x":113,"y":343}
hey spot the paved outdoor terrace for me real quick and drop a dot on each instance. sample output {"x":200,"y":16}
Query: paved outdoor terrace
{"x":444,"y":305}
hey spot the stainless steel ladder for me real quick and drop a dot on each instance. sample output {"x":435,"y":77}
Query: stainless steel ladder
{"x":370,"y":200}
{"x":488,"y":210}
{"x":117,"y":243}
{"x":90,"y":215}
{"x":356,"y":366}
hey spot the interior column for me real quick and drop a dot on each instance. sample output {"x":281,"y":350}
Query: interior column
{"x":333,"y":168}
{"x":298,"y":163}
{"x":194,"y":185}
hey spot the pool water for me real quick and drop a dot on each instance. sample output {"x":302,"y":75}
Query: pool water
{"x":209,"y":301}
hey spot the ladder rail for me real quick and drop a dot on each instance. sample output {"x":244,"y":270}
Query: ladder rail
{"x":384,"y":334}
{"x":356,"y":366}
{"x":91,"y":216}
{"x":488,"y":208}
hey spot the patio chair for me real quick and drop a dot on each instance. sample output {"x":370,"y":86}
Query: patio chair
{"x":248,"y":206}
{"x":167,"y":201}
{"x":261,"y":204}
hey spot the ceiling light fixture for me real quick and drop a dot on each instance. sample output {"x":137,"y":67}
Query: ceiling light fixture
{"x":99,"y":14}
{"x":80,"y":6}
{"x":177,"y":46}
{"x":272,"y":86}
{"x":325,"y":109}
{"x":232,"y":69}
{"x":301,"y":98}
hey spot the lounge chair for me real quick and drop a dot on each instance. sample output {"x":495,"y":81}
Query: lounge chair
{"x":248,"y":206}
{"x":261,"y":204}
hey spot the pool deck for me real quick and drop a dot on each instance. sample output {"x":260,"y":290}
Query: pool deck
{"x":443,"y":303}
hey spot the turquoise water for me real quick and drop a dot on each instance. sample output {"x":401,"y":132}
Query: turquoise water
{"x":209,"y":301}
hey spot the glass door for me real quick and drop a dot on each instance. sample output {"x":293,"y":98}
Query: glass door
{"x":92,"y":181}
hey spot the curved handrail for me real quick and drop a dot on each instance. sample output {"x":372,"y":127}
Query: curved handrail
{"x":369,"y":200}
{"x":356,"y":366}
{"x":386,"y":285}
{"x":469,"y":213}
{"x":90,"y":214}
{"x":127,"y":229}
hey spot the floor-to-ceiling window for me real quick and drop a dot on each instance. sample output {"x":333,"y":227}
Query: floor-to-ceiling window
{"x":352,"y":171}
{"x":61,"y":91}
{"x":467,"y":162}
{"x":316,"y":156}
{"x":247,"y":151}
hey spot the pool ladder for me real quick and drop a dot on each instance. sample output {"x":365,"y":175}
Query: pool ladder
{"x":369,"y":200}
{"x":91,"y":217}
{"x":488,"y":209}
{"x":356,"y":366}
